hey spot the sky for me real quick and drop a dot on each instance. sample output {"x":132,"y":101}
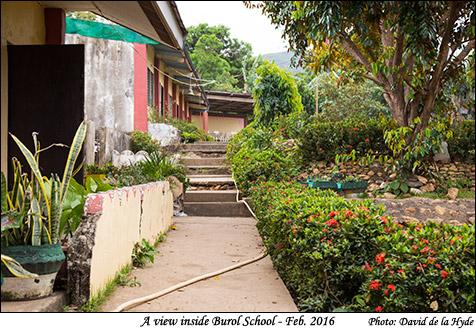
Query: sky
{"x":247,"y":25}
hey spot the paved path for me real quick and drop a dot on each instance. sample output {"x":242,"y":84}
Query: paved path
{"x":202,"y":245}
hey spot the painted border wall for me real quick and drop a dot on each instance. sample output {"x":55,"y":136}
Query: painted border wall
{"x":113,"y":222}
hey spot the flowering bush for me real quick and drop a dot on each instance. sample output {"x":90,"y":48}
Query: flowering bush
{"x":339,"y":254}
{"x":324,"y":140}
{"x":141,"y":141}
{"x":421,"y":268}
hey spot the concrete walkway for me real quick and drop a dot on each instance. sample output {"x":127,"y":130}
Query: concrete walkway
{"x":202,"y":245}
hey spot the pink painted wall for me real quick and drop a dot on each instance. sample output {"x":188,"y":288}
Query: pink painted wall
{"x":140,"y":88}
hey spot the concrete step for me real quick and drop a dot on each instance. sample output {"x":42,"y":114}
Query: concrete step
{"x":210,"y":196}
{"x":208,"y":170}
{"x":209,"y":143}
{"x":216,"y":209}
{"x":210,"y":180}
{"x":204,"y":161}
{"x":206,"y":148}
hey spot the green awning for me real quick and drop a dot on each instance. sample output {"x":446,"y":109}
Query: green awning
{"x":105,"y":31}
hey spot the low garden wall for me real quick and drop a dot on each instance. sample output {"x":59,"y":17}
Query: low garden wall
{"x":112,"y":223}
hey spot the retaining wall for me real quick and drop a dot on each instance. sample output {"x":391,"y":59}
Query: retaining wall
{"x":113,"y":222}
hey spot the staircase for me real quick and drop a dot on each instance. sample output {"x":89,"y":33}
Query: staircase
{"x":212,"y":192}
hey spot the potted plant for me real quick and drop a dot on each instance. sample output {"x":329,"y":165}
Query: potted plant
{"x":34,"y":208}
{"x":346,"y":186}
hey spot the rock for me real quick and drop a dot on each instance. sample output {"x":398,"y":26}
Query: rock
{"x":414,"y":184}
{"x":471,"y":220}
{"x":454,"y":222}
{"x":439,"y":210}
{"x":422,"y":179}
{"x":389,"y":196}
{"x":372,"y":187}
{"x":406,"y":220}
{"x":415,"y":191}
{"x":410,"y":210}
{"x":444,"y":156}
{"x":428,"y":188}
{"x":452,"y":193}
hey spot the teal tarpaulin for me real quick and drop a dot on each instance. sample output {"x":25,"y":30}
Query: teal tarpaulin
{"x":105,"y":31}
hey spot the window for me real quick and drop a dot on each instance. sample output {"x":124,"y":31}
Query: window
{"x":162,"y":100}
{"x":150,"y":88}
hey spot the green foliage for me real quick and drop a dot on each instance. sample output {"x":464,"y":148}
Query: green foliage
{"x":143,"y":253}
{"x":141,"y":141}
{"x":218,"y":57}
{"x":96,"y":169}
{"x":406,"y":47}
{"x":426,"y":268}
{"x":342,"y":96}
{"x":322,"y":140}
{"x":337,"y":254}
{"x":462,"y":145}
{"x":414,"y":155}
{"x":158,"y":166}
{"x":261,"y":154}
{"x":37,"y":201}
{"x":190,"y":132}
{"x":306,"y":84}
{"x":275,"y":94}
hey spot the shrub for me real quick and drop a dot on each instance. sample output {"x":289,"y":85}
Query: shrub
{"x":324,"y":140}
{"x":339,"y":254}
{"x":462,"y":145}
{"x":261,"y":154}
{"x":423,"y":268}
{"x":141,"y":141}
{"x":275,"y":93}
{"x":190,"y":132}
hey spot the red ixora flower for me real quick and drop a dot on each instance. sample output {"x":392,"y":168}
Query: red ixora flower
{"x":444,"y":274}
{"x":374,"y":284}
{"x":367,"y":267}
{"x":384,"y":220}
{"x":380,"y":258}
{"x":367,"y":140}
{"x":332,"y":222}
{"x":379,"y":309}
{"x":333,"y":213}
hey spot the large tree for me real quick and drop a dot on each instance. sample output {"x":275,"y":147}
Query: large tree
{"x":219,"y":57}
{"x":409,"y":48}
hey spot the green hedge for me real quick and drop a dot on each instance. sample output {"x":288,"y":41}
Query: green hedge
{"x":261,"y":154}
{"x":324,"y":140}
{"x":343,"y":255}
{"x":462,"y":145}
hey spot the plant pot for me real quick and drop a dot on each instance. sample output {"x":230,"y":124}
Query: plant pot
{"x":45,"y":260}
{"x":350,"y":189}
{"x":62,"y":276}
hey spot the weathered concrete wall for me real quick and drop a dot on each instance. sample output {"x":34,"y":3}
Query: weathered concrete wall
{"x":165,"y":134}
{"x":113,"y":222}
{"x":109,"y":82}
{"x":108,"y":140}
